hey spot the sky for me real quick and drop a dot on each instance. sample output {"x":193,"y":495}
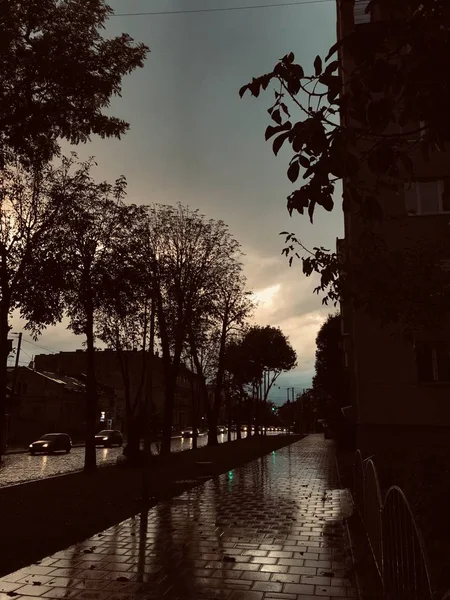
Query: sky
{"x":193,"y":140}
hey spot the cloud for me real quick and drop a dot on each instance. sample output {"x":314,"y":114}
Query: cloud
{"x":286,"y":299}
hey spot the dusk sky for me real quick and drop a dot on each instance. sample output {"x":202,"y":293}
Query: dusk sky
{"x":193,"y":140}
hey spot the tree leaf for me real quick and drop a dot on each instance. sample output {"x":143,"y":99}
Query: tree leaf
{"x":289,"y":58}
{"x":304,"y":161}
{"x":279,"y":141}
{"x":271,"y":131}
{"x":334,"y":48}
{"x":311,"y":206}
{"x":318,"y":65}
{"x":243,"y":89}
{"x":293,"y":171}
{"x":329,"y":69}
{"x":276,"y":116}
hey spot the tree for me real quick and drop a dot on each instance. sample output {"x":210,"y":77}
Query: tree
{"x":330,"y":381}
{"x":241,"y":373}
{"x":32,"y":202}
{"x":91,"y":231}
{"x":124,"y":323}
{"x":271,"y":353}
{"x":267,"y":353}
{"x":216,"y":319}
{"x":58,"y":75}
{"x":185,"y":254}
{"x":385,"y":81}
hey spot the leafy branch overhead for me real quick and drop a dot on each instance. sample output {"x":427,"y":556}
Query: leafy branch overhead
{"x":388,"y":113}
{"x":368,"y":112}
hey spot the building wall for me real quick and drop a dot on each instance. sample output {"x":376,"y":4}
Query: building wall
{"x":387,"y":394}
{"x":109,"y":373}
{"x":44,"y":406}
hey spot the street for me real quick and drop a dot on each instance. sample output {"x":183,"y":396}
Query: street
{"x":19,"y":468}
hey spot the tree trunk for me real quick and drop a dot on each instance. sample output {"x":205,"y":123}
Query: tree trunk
{"x":194,"y":413}
{"x":90,"y":462}
{"x":238,"y":419}
{"x":212,"y":433}
{"x":257,"y":410}
{"x":212,"y":424}
{"x":133,"y":439}
{"x":250,"y":413}
{"x":4,"y":330}
{"x":229,"y":417}
{"x":170,"y":373}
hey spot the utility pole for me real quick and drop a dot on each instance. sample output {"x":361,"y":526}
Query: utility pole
{"x":16,"y":366}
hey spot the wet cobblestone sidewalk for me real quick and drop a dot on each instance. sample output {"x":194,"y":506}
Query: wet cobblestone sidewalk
{"x":272,"y":529}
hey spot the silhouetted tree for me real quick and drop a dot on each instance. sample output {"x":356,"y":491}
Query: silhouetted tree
{"x":261,"y":352}
{"x":216,"y":319}
{"x":123,"y":324}
{"x":242,"y":373}
{"x":395,"y":105}
{"x":32,"y":202}
{"x":271,"y":353}
{"x":91,"y":233}
{"x":185,"y":254}
{"x":58,"y":75}
{"x":330,"y":382}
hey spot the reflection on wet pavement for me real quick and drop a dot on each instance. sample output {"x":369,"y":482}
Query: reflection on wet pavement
{"x":18,"y":468}
{"x":270,"y":529}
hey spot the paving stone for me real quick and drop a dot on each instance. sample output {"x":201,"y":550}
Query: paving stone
{"x":273,"y":532}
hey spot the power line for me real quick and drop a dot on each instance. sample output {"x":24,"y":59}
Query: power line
{"x":223,"y":9}
{"x":38,"y":346}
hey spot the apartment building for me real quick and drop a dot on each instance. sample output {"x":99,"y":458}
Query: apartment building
{"x":400,"y":390}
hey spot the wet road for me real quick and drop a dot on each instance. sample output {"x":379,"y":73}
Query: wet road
{"x":19,"y":468}
{"x":271,"y":529}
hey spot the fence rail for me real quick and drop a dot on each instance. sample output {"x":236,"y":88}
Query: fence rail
{"x":373,"y":508}
{"x":394,"y":538}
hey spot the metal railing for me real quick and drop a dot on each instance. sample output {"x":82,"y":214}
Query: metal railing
{"x":373,"y":507}
{"x":394,"y":538}
{"x":406,"y":575}
{"x":358,"y":481}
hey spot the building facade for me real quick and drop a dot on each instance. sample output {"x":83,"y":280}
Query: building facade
{"x":45,"y":402}
{"x":400,"y":390}
{"x":114,"y":370}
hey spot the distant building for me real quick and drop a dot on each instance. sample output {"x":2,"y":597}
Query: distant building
{"x":110,"y":367}
{"x":46,"y":402}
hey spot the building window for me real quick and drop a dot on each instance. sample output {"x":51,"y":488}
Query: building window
{"x":433,"y":361}
{"x":360,"y":14}
{"x":427,"y":197}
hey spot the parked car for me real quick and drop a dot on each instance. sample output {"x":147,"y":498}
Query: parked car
{"x":221,"y":429}
{"x":189,"y":432}
{"x":52,"y":442}
{"x":108,"y":438}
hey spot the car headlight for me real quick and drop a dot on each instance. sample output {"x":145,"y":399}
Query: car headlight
{"x":45,"y":445}
{"x":30,"y":446}
{"x":105,"y":439}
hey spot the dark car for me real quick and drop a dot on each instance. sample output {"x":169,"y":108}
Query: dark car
{"x":108,"y":438}
{"x":189,"y":432}
{"x":52,"y":442}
